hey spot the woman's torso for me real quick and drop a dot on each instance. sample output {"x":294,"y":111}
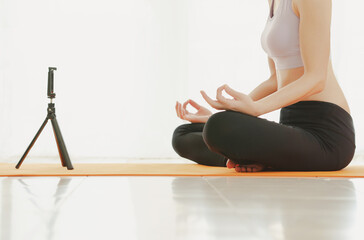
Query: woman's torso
{"x":332,"y":91}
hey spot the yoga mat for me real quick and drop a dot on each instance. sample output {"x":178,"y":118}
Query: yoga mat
{"x":158,"y":169}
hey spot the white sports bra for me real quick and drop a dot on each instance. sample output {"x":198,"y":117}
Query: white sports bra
{"x":280,"y":38}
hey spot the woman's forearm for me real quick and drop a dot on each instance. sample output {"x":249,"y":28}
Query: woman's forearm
{"x":306,"y":85}
{"x":264,"y":89}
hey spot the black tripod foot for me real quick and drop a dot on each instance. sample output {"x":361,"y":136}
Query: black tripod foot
{"x":63,"y":153}
{"x":32,"y":143}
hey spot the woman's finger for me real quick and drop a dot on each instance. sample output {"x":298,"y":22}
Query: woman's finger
{"x":219,"y":90}
{"x":183,"y":111}
{"x":228,"y":103}
{"x":232,"y":92}
{"x":194,"y":104}
{"x":185,"y":107}
{"x":208,"y":99}
{"x":179,"y":111}
{"x":219,"y":95}
{"x":185,"y":104}
{"x":176,"y":107}
{"x":212,"y":103}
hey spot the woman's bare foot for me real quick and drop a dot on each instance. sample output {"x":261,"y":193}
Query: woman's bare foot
{"x":246,"y":167}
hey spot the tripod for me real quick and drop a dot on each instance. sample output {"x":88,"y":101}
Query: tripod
{"x":62,"y":150}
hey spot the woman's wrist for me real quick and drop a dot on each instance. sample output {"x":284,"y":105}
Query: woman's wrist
{"x":257,"y":109}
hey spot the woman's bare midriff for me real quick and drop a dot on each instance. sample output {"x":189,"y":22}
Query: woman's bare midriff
{"x":332,"y":92}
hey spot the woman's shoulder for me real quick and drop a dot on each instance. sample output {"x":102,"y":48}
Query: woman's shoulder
{"x":307,"y":5}
{"x":312,"y":3}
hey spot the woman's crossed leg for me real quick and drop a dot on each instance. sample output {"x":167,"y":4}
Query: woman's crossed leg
{"x":249,"y":143}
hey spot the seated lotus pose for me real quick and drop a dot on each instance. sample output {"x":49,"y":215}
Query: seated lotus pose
{"x":315,"y":130}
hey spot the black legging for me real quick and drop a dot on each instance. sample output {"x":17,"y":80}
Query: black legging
{"x":310,"y":136}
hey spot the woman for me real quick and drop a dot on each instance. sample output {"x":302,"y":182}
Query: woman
{"x":315,"y":131}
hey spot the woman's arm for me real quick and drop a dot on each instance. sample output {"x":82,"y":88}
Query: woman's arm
{"x":314,"y":33}
{"x":314,"y":29}
{"x":267,"y":87}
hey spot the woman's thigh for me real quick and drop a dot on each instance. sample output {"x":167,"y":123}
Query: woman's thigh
{"x":243,"y":138}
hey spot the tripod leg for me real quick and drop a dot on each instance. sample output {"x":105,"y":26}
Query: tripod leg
{"x":32,"y":143}
{"x":61,"y":145}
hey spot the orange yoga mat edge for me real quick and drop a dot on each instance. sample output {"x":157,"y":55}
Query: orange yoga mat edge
{"x":157,"y":169}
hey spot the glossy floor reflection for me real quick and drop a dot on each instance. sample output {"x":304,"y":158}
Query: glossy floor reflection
{"x":129,"y":208}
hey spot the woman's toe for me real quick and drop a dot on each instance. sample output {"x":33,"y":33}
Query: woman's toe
{"x":261,"y":167}
{"x":230,"y":164}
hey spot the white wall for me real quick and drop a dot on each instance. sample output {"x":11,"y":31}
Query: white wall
{"x":122,"y":64}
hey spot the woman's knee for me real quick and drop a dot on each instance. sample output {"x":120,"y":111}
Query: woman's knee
{"x":182,"y":138}
{"x":346,"y":157}
{"x":177,"y":138}
{"x":220,"y":127}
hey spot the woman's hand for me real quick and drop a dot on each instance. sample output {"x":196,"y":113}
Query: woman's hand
{"x":200,"y":116}
{"x":240,"y":102}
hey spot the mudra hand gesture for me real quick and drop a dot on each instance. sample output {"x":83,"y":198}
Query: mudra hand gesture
{"x":240,"y":102}
{"x":200,"y":116}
